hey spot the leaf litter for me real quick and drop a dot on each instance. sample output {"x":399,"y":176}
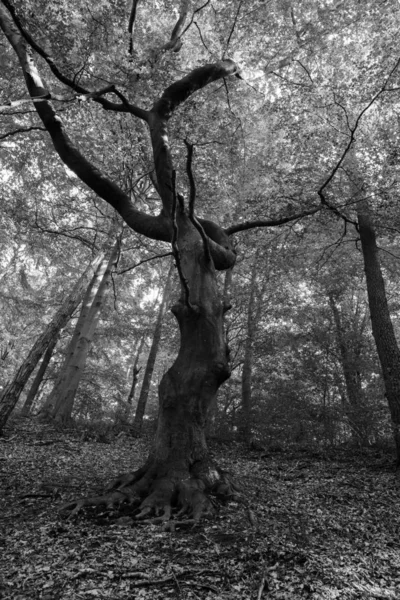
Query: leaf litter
{"x":318,"y":526}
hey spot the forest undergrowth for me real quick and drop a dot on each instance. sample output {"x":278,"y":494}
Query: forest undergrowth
{"x":314,"y":525}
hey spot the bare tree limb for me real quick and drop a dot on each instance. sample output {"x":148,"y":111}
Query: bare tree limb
{"x":233,"y":27}
{"x":270,"y":222}
{"x":21,"y":130}
{"x":143,"y":261}
{"x":321,"y":191}
{"x":194,"y":13}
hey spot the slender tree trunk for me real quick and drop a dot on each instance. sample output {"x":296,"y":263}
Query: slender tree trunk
{"x":61,"y":410}
{"x":13,"y":389}
{"x":349,"y":355}
{"x":151,"y":360}
{"x":39,"y":377}
{"x":135,"y":373}
{"x":382,"y":327}
{"x":247,"y":371}
{"x":64,"y":372}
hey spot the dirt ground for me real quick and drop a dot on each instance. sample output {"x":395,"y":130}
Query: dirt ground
{"x":319,"y":525}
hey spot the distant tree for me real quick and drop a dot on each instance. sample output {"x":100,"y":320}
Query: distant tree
{"x":60,"y":402}
{"x":151,"y":359}
{"x":33,"y":390}
{"x":12,"y":391}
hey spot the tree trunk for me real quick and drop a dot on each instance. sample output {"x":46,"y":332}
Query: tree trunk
{"x":382,"y":327}
{"x":13,"y":389}
{"x":247,"y":371}
{"x":135,"y":373}
{"x":88,"y":299}
{"x":188,"y":388}
{"x":151,"y":360}
{"x":179,"y":468}
{"x":39,"y":377}
{"x":349,"y":358}
{"x":62,"y":402}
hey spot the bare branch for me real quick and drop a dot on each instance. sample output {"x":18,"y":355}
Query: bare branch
{"x":195,"y":12}
{"x":233,"y":27}
{"x":202,"y":39}
{"x":270,"y":222}
{"x":352,"y":135}
{"x":145,"y":260}
{"x":21,"y":130}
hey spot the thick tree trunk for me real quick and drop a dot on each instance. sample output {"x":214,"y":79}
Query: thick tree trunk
{"x":151,"y":360}
{"x":62,"y":403}
{"x":382,"y":327}
{"x":350,"y":357}
{"x":179,"y":469}
{"x":13,"y":389}
{"x":38,"y":378}
{"x":189,"y":387}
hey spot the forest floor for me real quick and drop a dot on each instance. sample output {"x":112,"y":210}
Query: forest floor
{"x":318,"y":526}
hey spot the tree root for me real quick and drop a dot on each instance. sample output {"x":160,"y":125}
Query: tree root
{"x":162,"y":495}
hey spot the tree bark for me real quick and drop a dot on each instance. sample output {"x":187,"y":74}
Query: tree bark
{"x":60,"y":403}
{"x":38,"y":378}
{"x":64,"y":372}
{"x":135,"y":373}
{"x":247,"y":371}
{"x":13,"y":389}
{"x":382,"y":326}
{"x":188,"y":388}
{"x":151,"y":360}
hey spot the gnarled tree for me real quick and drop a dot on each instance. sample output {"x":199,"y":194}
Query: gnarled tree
{"x":179,"y":470}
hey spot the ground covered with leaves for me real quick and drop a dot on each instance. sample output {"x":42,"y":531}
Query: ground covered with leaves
{"x":315,"y":525}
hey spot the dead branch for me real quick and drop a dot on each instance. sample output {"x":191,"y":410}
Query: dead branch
{"x":143,"y":261}
{"x":270,"y":222}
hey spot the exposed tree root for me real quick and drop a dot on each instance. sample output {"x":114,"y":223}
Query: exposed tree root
{"x":166,"y":495}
